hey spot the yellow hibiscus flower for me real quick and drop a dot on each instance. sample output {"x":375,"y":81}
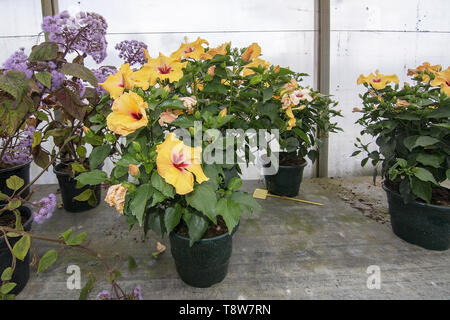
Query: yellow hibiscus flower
{"x":442,"y":79}
{"x":425,"y":67}
{"x":252,"y":52}
{"x":292,"y":121}
{"x":222,"y":50}
{"x":128,"y":114}
{"x":255,"y":63}
{"x":193,"y":50}
{"x":377,"y":81}
{"x":177,"y":164}
{"x":164,"y":68}
{"x":125,"y":78}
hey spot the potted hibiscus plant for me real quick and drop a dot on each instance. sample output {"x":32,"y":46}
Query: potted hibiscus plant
{"x":300,"y":114}
{"x":160,"y":181}
{"x":411,"y":128}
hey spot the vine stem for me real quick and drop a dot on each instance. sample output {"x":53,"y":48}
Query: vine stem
{"x":62,"y":241}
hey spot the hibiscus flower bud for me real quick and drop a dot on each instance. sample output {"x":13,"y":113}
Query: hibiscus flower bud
{"x":211,"y":70}
{"x":133,"y":170}
{"x":223,"y":113}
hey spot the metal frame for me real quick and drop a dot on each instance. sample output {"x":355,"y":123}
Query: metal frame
{"x":322,"y":61}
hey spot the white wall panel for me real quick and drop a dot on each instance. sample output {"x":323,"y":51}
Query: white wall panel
{"x":391,"y":36}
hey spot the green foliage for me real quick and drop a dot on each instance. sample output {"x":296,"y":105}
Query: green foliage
{"x":14,"y":183}
{"x":410,"y":126}
{"x":21,"y":247}
{"x":47,"y":260}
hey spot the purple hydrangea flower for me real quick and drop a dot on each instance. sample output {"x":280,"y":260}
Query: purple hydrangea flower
{"x":46,"y":207}
{"x":104,"y":295}
{"x":102,"y":74}
{"x":85,"y":32}
{"x":18,"y":61}
{"x":137,"y":293}
{"x":132,"y":52}
{"x":19,"y":152}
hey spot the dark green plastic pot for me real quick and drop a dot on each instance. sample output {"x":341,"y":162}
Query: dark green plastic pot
{"x":22,"y":271}
{"x":206,"y":262}
{"x":68,"y":187}
{"x":419,"y":223}
{"x":286,"y":182}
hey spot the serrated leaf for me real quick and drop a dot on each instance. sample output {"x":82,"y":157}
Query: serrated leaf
{"x":432,"y":160}
{"x":234,"y":184}
{"x":66,"y":234}
{"x":204,"y":199}
{"x":412,"y":142}
{"x":21,"y":247}
{"x":43,"y":52}
{"x":45,"y":78}
{"x":14,"y":183}
{"x":424,"y":175}
{"x":247,"y":203}
{"x":196,"y":224}
{"x":7,"y":274}
{"x":84,"y":293}
{"x":14,"y":204}
{"x":230,"y":212}
{"x":85,"y":195}
{"x":76,"y":240}
{"x":79,"y":71}
{"x":47,"y":260}
{"x":98,"y":155}
{"x":172,"y":217}
{"x":421,"y":189}
{"x":138,"y":204}
{"x":159,"y":184}
{"x":92,"y":178}
{"x":7,"y":287}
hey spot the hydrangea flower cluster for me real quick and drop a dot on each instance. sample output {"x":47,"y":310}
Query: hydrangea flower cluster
{"x":102,"y":74}
{"x":20,"y":151}
{"x":132,"y":51}
{"x":46,"y":207}
{"x":85,"y":32}
{"x":18,"y":61}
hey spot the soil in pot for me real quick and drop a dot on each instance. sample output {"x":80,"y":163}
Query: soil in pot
{"x":22,"y":271}
{"x":419,"y":223}
{"x":286,"y":182}
{"x":22,"y":171}
{"x":440,"y":196}
{"x":206,"y":262}
{"x":68,"y":187}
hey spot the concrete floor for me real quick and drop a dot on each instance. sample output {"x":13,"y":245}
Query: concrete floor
{"x":288,"y":251}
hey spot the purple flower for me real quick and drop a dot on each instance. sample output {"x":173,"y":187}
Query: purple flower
{"x":137,"y":293}
{"x":46,"y":207}
{"x":85,"y":32}
{"x":132,"y":52}
{"x":57,"y":79}
{"x":19,"y":152}
{"x":104,"y":295}
{"x":18,"y":61}
{"x":101,"y":74}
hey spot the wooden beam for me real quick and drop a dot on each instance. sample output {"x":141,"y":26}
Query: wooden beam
{"x":49,"y":7}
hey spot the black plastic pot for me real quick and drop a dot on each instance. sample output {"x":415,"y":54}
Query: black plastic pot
{"x":22,"y":271}
{"x":419,"y":223}
{"x":286,"y":182}
{"x":206,"y":262}
{"x":68,"y":187}
{"x":22,"y":171}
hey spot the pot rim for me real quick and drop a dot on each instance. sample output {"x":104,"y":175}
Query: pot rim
{"x":423,"y":204}
{"x":208,"y":239}
{"x":16,"y":167}
{"x":56,"y":166}
{"x":26,"y":224}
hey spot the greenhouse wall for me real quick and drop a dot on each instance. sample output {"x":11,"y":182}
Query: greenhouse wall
{"x":391,"y":36}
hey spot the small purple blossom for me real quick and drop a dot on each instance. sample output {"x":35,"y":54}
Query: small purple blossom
{"x":104,"y":295}
{"x":102,"y":74}
{"x":57,"y":79}
{"x":132,"y":51}
{"x":19,"y":152}
{"x":137,"y":293}
{"x":46,"y":207}
{"x":85,"y":32}
{"x":18,"y":61}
